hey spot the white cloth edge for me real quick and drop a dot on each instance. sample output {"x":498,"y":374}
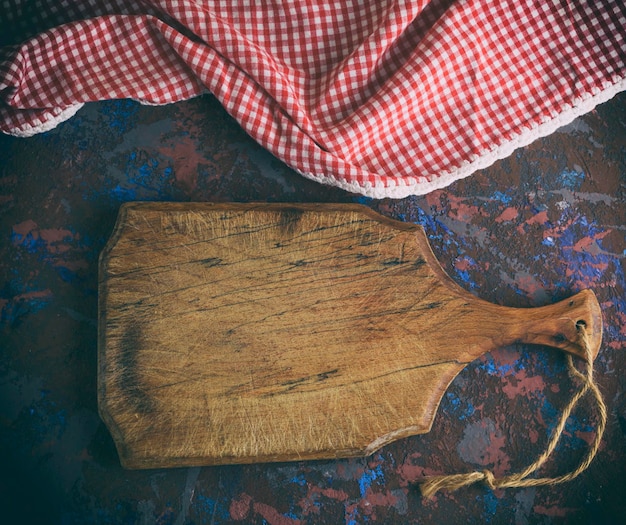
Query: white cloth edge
{"x":30,"y":129}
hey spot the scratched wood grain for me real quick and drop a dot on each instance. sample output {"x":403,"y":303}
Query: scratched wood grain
{"x":236,"y":333}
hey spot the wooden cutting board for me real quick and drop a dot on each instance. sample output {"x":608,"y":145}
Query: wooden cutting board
{"x":237,"y":333}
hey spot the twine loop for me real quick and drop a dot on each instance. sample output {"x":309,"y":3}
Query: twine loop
{"x":453,"y":482}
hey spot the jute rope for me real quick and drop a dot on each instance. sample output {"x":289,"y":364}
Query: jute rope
{"x":456,"y":481}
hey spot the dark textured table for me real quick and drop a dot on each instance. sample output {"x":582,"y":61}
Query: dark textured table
{"x":535,"y":228}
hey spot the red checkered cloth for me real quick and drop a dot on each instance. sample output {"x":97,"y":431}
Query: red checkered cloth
{"x":382,"y":98}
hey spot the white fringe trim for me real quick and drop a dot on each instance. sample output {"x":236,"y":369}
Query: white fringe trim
{"x":40,"y":126}
{"x":399,"y":189}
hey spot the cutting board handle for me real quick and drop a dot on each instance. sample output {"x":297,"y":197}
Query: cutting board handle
{"x":556,"y":325}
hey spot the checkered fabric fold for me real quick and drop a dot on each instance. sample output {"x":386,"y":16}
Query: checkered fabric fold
{"x":383,"y":98}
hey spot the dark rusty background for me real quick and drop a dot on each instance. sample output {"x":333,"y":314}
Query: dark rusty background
{"x":544,"y":223}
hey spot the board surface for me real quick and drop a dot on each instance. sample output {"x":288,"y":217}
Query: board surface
{"x":236,"y":333}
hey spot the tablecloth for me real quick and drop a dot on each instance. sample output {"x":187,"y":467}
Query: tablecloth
{"x":382,"y":98}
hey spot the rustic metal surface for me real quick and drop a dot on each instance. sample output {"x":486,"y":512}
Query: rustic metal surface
{"x":532,"y":229}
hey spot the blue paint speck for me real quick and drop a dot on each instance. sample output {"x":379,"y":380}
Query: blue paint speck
{"x":298,"y":480}
{"x":459,"y":408}
{"x":464,"y":275}
{"x":123,"y":194}
{"x":366,"y":479}
{"x":29,"y":242}
{"x":501,"y":197}
{"x":493,"y":369}
{"x":351,"y":517}
{"x":361,"y":199}
{"x":572,"y":179}
{"x":491,"y":505}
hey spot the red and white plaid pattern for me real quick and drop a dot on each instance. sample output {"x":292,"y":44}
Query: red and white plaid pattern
{"x":384,"y":98}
